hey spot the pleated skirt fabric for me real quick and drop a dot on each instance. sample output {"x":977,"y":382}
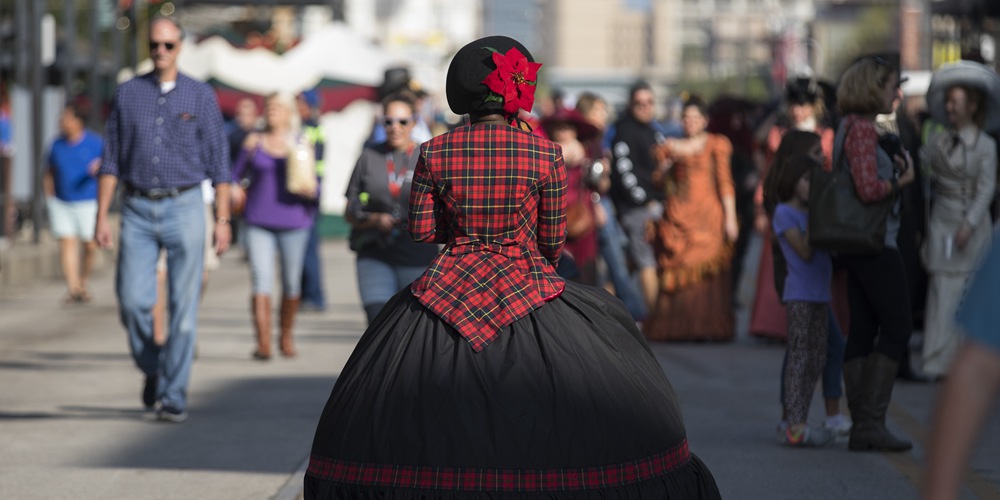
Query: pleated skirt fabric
{"x":569,"y":402}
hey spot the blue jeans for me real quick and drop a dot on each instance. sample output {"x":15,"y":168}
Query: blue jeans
{"x":833,"y":369}
{"x":611,"y":242}
{"x":312,"y":270}
{"x":378,"y":281}
{"x":176,"y":225}
{"x":291,"y":246}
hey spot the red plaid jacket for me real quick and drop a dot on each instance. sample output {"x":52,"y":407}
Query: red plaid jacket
{"x":494,"y":195}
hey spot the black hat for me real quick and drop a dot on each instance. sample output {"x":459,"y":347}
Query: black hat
{"x":397,"y":79}
{"x":802,"y":90}
{"x":472,"y":64}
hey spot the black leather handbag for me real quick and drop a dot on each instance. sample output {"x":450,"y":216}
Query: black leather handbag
{"x":839,"y":221}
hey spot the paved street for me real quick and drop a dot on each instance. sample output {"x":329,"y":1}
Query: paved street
{"x":71,"y":423}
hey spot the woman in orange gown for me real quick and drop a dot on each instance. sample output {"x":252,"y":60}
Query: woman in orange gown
{"x":693,"y":241}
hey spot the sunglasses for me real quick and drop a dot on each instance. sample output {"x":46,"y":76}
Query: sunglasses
{"x":401,"y":121}
{"x":156,"y":45}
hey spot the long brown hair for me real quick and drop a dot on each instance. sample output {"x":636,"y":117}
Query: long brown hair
{"x":793,"y":143}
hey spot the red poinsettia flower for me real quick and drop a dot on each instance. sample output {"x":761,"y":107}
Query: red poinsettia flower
{"x":513,"y":82}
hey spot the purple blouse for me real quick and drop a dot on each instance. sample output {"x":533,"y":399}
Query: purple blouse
{"x":269,"y":204}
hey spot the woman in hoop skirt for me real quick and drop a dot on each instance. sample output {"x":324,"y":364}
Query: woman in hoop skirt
{"x":490,"y":376}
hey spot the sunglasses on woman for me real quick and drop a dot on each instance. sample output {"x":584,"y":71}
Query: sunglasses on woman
{"x":401,"y":121}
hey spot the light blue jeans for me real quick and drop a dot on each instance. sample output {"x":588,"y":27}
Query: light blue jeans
{"x":378,"y":281}
{"x":291,"y":246}
{"x":611,"y":241}
{"x":176,"y":225}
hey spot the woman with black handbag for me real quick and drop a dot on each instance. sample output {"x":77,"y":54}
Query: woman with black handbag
{"x":880,"y":305}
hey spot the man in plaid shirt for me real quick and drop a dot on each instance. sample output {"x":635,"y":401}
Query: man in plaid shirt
{"x":164,"y":136}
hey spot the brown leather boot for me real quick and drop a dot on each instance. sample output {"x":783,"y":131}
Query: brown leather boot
{"x":261,"y":307}
{"x":289,"y":307}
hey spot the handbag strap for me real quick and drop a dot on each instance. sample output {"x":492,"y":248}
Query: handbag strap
{"x":838,"y":153}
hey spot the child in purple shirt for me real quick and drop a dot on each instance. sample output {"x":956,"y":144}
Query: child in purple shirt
{"x":806,"y":297}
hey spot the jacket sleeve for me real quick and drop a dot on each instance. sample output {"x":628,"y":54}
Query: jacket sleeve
{"x":861,"y":155}
{"x":109,"y":160}
{"x":552,"y":212}
{"x":723,"y":154}
{"x":427,"y":222}
{"x":215,"y":144}
{"x":986,"y":183}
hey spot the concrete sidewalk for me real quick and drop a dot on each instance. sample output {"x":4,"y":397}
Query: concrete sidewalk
{"x":72,"y":420}
{"x":72,"y":425}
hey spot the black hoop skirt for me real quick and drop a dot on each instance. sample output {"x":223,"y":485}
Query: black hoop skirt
{"x":568,"y":403}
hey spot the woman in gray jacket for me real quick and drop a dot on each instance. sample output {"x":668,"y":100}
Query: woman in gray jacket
{"x":962,"y":163}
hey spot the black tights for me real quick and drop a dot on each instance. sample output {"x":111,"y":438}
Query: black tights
{"x":880,"y":305}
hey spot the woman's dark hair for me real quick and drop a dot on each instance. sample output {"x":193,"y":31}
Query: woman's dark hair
{"x":791,"y":171}
{"x":974,"y":96}
{"x":794,"y":142}
{"x":698,"y":103}
{"x":404,"y":97}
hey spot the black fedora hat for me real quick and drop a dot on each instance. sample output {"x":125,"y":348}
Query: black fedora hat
{"x":465,"y":87}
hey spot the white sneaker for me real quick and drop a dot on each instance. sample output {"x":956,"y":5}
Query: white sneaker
{"x":811,"y":437}
{"x":782,"y":427}
{"x":838,"y":424}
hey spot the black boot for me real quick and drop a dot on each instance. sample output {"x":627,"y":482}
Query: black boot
{"x":854,"y":371}
{"x":875,"y":391}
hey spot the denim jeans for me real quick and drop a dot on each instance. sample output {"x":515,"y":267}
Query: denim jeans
{"x":611,"y":241}
{"x":378,"y":281}
{"x":312,"y":270}
{"x":833,"y":369}
{"x":291,"y":247}
{"x":176,"y":225}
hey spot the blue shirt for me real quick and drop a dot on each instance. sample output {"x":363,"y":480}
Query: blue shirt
{"x":808,"y":280}
{"x":6,"y":144}
{"x":979,"y":314}
{"x":165,"y":140}
{"x":70,"y":166}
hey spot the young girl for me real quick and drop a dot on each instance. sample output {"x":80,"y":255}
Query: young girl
{"x":806,"y":296}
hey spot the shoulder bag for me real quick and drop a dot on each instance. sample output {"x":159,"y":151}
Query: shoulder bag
{"x":838,"y":220}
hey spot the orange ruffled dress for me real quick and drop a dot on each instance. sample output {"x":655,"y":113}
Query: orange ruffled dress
{"x":693,"y":255}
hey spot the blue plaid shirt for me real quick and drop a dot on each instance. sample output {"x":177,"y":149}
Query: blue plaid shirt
{"x":158,"y":140}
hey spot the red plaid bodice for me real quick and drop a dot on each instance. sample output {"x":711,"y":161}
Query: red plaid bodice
{"x":495,"y":196}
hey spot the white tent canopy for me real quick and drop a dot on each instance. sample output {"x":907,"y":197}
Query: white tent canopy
{"x":334,"y":52}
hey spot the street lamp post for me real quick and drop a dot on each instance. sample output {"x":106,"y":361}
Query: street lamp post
{"x":37,"y":88}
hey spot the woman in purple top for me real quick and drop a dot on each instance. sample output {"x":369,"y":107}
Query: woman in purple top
{"x":806,"y":296}
{"x":276,"y":219}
